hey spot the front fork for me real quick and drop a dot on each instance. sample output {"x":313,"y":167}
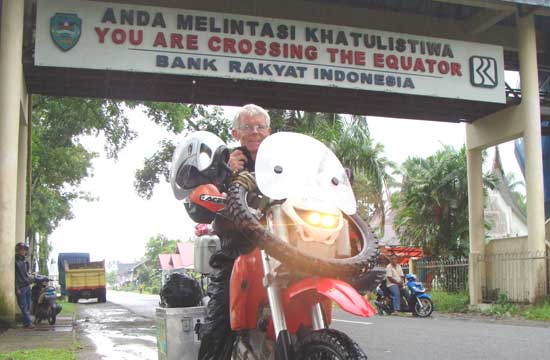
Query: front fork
{"x":284,"y":349}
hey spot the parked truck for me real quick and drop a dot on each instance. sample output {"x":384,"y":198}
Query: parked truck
{"x":86,"y":281}
{"x":70,"y":258}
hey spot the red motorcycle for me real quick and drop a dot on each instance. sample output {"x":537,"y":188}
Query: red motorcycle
{"x":299,"y":209}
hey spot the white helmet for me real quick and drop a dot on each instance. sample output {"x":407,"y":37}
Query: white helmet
{"x":200,"y":158}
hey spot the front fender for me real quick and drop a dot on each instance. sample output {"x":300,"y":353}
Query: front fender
{"x":338,"y":291}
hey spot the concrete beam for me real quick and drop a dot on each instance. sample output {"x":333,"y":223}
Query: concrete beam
{"x":487,"y":4}
{"x":495,"y":129}
{"x":485,"y":19}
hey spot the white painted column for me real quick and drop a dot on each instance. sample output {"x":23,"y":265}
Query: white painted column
{"x":22,"y":181}
{"x":476,"y":220}
{"x":11,"y":75}
{"x":530,"y":104}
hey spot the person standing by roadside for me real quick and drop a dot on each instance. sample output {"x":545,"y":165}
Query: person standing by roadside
{"x":23,"y":283}
{"x":395,"y":277}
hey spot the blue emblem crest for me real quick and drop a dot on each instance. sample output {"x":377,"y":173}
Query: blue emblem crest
{"x":65,"y":30}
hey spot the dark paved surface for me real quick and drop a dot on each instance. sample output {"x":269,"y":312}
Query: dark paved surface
{"x":59,"y":336}
{"x":140,"y":304}
{"x":447,"y":337}
{"x":109,"y":331}
{"x":383,"y":337}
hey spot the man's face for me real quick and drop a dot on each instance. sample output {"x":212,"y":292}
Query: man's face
{"x":22,"y":251}
{"x":393,"y":260}
{"x":250,"y":133}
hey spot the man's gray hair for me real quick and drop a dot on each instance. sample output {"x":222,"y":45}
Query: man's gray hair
{"x":252,"y":111}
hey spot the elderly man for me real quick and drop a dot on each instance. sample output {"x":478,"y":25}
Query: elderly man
{"x":250,"y":128}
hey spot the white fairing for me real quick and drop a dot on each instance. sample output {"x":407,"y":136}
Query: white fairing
{"x":291,"y":165}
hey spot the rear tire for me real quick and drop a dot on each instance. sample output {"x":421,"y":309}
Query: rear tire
{"x":328,"y":344}
{"x":423,"y":307}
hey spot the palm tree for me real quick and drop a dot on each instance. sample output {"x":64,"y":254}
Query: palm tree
{"x":432,"y":206}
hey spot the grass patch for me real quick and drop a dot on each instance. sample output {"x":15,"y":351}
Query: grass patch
{"x":450,"y":302}
{"x":503,"y":307}
{"x":39,"y":354}
{"x":538,"y":312}
{"x":67,"y":309}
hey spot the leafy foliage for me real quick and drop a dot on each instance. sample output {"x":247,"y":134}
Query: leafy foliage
{"x":432,"y":206}
{"x":60,"y":162}
{"x":149,"y":274}
{"x":177,"y":118}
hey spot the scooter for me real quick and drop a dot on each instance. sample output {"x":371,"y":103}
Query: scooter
{"x":44,"y":305}
{"x":299,"y":210}
{"x":415,"y":300}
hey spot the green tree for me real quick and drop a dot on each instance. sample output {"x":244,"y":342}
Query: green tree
{"x":60,"y":162}
{"x":159,"y":244}
{"x":432,"y":206}
{"x":110,"y":277}
{"x":149,"y":274}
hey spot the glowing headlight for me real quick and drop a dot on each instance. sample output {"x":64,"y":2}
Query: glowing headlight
{"x":328,"y":221}
{"x":314,"y":218}
{"x":318,"y":219}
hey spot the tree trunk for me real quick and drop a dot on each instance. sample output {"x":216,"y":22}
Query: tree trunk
{"x":43,"y":255}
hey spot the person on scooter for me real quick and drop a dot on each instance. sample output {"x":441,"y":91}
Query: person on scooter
{"x":251,"y":126}
{"x":395,"y":277}
{"x":23,"y":283}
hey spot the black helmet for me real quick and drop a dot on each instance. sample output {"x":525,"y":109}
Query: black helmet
{"x":21,"y":245}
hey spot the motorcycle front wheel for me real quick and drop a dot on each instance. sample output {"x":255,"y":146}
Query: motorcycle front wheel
{"x":423,"y":307}
{"x":328,"y":344}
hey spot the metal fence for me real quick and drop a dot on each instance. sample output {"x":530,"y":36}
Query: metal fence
{"x":449,"y":275}
{"x":509,"y":275}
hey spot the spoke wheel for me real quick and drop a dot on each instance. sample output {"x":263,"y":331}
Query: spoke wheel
{"x":423,"y":307}
{"x":328,"y":344}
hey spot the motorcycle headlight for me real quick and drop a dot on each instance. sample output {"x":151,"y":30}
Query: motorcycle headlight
{"x":319,"y":219}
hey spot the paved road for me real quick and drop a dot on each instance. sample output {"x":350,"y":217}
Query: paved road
{"x":141,"y":304}
{"x":438,"y":337}
{"x":443,"y":337}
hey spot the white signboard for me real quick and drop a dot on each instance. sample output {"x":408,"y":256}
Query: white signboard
{"x":108,"y":36}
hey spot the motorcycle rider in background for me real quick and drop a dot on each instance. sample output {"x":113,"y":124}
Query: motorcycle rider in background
{"x":395,"y":277}
{"x":251,"y":126}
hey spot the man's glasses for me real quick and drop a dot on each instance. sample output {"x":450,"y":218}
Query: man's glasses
{"x":251,"y":128}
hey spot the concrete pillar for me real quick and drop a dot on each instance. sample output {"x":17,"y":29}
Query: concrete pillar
{"x":11,"y":75}
{"x":413,"y":266}
{"x":530,"y":103}
{"x":476,"y":219}
{"x":22,"y":181}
